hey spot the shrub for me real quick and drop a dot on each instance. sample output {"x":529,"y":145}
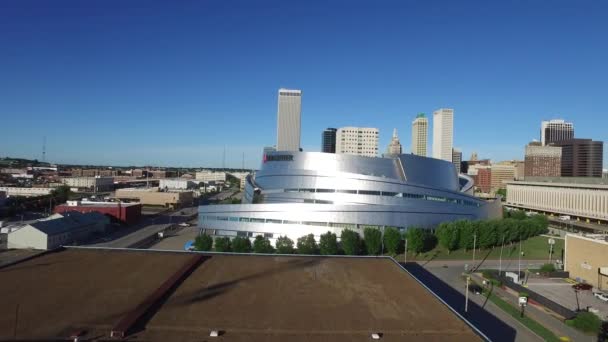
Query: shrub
{"x":203,"y":243}
{"x":222,"y":244}
{"x":547,"y":268}
{"x":262,"y":245}
{"x":307,"y":245}
{"x":373,"y":240}
{"x":351,"y":242}
{"x":392,"y":240}
{"x":284,"y":245}
{"x":587,"y":322}
{"x":328,"y":244}
{"x":241,"y":244}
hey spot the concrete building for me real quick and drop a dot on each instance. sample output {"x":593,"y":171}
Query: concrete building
{"x":328,"y":143}
{"x":289,"y":120}
{"x":542,"y":161}
{"x":25,"y":192}
{"x":97,"y":183}
{"x":420,"y":133}
{"x":361,"y":141}
{"x":268,"y":149}
{"x":394,"y":148}
{"x":605,"y":173}
{"x":581,"y":157}
{"x":586,"y":258}
{"x":154,"y":197}
{"x":128,"y":213}
{"x":501,"y":174}
{"x":581,"y":201}
{"x":457,"y":159}
{"x":178,"y":183}
{"x":210,"y":176}
{"x":65,"y":229}
{"x":311,"y":192}
{"x":553,"y":131}
{"x":443,"y":134}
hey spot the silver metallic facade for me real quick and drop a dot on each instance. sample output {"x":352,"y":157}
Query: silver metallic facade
{"x":298,"y":193}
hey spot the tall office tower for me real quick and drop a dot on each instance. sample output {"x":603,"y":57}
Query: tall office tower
{"x":394,"y":148}
{"x":542,"y":161}
{"x":288,"y":120}
{"x":328,"y":144}
{"x":420,"y":129}
{"x":361,"y":141}
{"x":581,"y":157}
{"x":443,"y":133}
{"x":555,"y":130}
{"x":457,"y":159}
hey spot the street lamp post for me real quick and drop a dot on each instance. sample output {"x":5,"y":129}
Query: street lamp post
{"x":500,"y":259}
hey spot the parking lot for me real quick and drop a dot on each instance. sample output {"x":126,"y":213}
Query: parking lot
{"x":561,"y":291}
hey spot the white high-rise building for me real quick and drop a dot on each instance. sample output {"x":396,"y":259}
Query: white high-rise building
{"x":443,"y":133}
{"x":288,"y":120}
{"x":362,"y":141}
{"x":420,"y":129}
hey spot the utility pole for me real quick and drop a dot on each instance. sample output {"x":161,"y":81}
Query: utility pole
{"x":243,"y":162}
{"x":500,"y":259}
{"x":44,"y":149}
{"x":405,"y":253}
{"x":466,"y":295}
{"x":474,"y":247}
{"x":519,"y":263}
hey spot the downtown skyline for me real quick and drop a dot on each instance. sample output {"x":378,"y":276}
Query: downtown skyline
{"x":173,"y":85}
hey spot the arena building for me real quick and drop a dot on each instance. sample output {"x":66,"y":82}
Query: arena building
{"x":298,"y":193}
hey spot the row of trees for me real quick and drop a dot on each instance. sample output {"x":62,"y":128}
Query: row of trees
{"x":455,"y":235}
{"x":484,"y":234}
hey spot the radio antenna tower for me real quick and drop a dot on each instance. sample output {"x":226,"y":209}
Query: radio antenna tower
{"x":243,"y":162}
{"x":44,"y":149}
{"x":224,"y":158}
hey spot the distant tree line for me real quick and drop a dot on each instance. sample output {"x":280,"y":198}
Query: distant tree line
{"x":450,"y":235}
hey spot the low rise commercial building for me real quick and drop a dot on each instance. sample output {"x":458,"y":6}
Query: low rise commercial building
{"x":154,"y":197}
{"x":577,"y":200}
{"x":586,"y":258}
{"x":25,"y":192}
{"x":57,"y":230}
{"x":128,"y":213}
{"x":178,"y":183}
{"x":97,"y":183}
{"x":501,"y":174}
{"x":210,"y":176}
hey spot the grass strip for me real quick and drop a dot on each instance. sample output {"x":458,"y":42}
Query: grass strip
{"x":531,"y":324}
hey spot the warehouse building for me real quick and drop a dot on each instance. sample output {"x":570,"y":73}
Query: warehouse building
{"x":178,"y":183}
{"x":210,"y":176}
{"x":586,"y":258}
{"x":57,"y":230}
{"x":155,"y":197}
{"x":128,"y":213}
{"x":96,"y":183}
{"x":25,"y":192}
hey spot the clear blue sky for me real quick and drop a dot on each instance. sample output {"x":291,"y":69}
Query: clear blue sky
{"x":173,"y":82}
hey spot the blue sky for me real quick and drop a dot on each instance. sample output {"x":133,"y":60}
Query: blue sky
{"x":173,"y":82}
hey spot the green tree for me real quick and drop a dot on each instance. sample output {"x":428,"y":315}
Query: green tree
{"x":392,"y":240}
{"x":328,"y":244}
{"x":284,"y":245}
{"x":466,"y":232}
{"x":241,"y":244}
{"x":262,"y":245}
{"x":307,"y":245}
{"x":448,"y":236}
{"x":373,"y":240}
{"x":351,"y":242}
{"x":61,"y":194}
{"x":503,"y":193}
{"x":203,"y":243}
{"x":487,"y":236}
{"x":222,"y":244}
{"x":518,"y":214}
{"x":415,"y":240}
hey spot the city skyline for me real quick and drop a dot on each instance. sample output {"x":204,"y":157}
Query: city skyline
{"x":165,"y":93}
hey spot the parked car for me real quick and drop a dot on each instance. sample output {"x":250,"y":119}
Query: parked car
{"x":601,"y":296}
{"x":582,"y":286}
